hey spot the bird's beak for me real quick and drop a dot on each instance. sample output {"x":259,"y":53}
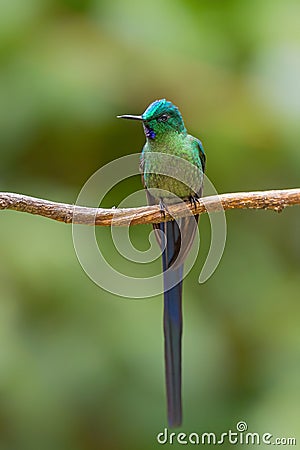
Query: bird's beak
{"x":131,"y":117}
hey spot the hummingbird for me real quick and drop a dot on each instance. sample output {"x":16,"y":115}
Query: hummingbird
{"x":172,"y":166}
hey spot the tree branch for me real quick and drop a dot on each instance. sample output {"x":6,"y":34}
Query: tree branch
{"x":275,"y":200}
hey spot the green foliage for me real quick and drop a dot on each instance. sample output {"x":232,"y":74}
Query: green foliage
{"x":79,"y":368}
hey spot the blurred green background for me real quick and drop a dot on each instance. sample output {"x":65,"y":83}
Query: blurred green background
{"x":81,"y":369}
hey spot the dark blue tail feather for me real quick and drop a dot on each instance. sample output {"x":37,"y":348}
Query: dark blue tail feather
{"x":172,"y":322}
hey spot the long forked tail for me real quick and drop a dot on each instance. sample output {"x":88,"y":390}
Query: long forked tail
{"x":172,"y":321}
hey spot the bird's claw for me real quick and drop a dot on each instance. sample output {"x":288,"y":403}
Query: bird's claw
{"x":194,"y":200}
{"x":163,"y":208}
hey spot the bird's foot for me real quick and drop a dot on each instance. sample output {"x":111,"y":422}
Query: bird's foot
{"x":194,"y":200}
{"x":163,"y":208}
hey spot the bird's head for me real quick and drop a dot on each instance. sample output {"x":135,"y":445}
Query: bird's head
{"x":160,"y":117}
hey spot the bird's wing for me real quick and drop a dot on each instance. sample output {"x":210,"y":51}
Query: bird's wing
{"x":201,"y":154}
{"x":189,"y":225}
{"x":199,"y":148}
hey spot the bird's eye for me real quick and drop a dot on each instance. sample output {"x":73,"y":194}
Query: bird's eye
{"x":163,"y":118}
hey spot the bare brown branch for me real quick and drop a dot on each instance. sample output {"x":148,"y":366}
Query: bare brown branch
{"x":275,"y":200}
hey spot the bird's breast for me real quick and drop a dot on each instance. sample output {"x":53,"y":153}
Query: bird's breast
{"x":172,"y":169}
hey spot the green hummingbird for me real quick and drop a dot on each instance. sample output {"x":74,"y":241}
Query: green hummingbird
{"x":172,"y":167}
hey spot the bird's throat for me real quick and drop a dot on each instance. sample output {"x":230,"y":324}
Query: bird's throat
{"x":149,"y":133}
